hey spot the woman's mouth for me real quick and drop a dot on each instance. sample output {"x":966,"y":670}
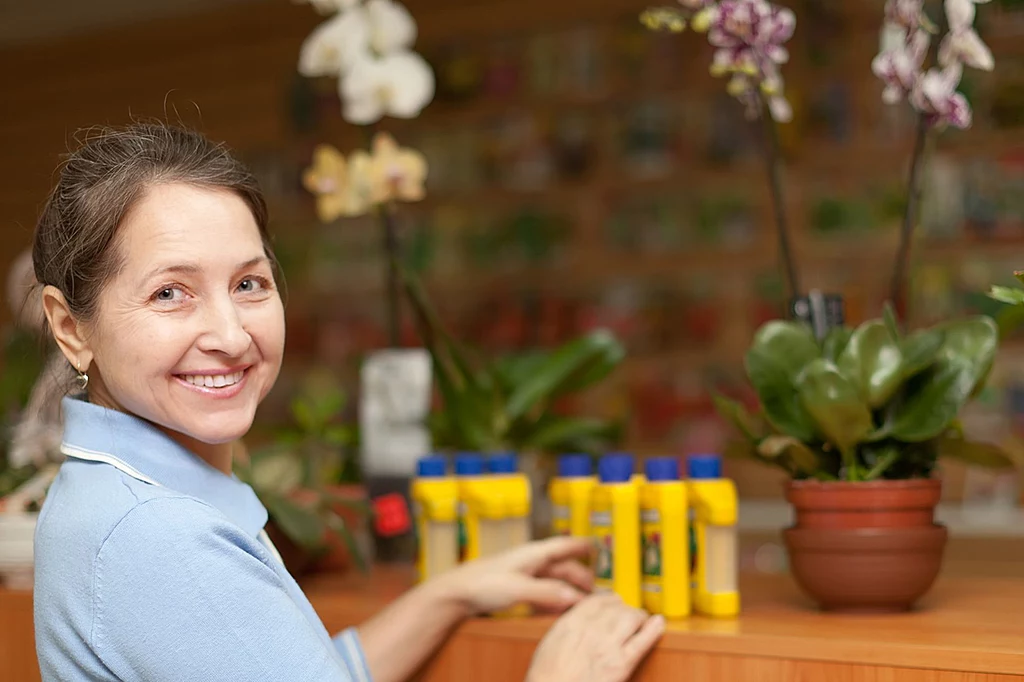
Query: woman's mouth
{"x":221,"y":384}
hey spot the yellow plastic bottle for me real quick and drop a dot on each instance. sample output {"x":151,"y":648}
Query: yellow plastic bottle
{"x":665,"y":539}
{"x":715,"y":510}
{"x":469,"y":472}
{"x":615,"y":525}
{"x":514,"y":490}
{"x":435,"y":497}
{"x":570,"y":493}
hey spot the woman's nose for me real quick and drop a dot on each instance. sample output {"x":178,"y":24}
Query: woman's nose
{"x":224,"y":331}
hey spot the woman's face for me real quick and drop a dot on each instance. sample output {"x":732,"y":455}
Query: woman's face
{"x":189,"y":334}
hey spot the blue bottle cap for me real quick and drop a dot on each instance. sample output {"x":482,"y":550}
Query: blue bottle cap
{"x":615,"y":468}
{"x":469,"y":464}
{"x":662,"y":469}
{"x":433,"y":466}
{"x":704,"y":466}
{"x":504,"y":463}
{"x":575,"y":466}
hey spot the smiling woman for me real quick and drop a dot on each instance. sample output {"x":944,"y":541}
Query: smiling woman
{"x":151,"y":562}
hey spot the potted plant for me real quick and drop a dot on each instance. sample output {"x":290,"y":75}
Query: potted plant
{"x":510,"y":403}
{"x":308,"y":479}
{"x":860,"y":420}
{"x":858,"y":417}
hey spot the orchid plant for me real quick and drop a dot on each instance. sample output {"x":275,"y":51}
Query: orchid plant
{"x":931,"y":92}
{"x":367,"y":46}
{"x":749,"y":38}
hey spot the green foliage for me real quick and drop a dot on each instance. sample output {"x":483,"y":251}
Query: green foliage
{"x":289,"y":475}
{"x":865,"y":403}
{"x":507,"y":403}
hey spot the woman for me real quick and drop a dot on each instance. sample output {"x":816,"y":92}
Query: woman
{"x":151,"y":560}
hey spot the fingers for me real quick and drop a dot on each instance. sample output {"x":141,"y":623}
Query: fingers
{"x":637,"y":646}
{"x":572,"y":572}
{"x":548,"y":594}
{"x":535,"y":555}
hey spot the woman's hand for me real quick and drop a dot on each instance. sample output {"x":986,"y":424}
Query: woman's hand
{"x":546,"y":574}
{"x":598,"y":640}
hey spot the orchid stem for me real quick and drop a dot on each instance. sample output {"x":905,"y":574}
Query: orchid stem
{"x":897,"y":286}
{"x":772,"y":159}
{"x":387,"y":219}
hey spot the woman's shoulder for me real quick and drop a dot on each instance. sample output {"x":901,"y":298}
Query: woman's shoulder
{"x":92,"y":507}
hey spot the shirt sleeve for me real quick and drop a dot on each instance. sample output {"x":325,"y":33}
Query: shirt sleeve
{"x":351,"y":652}
{"x":181,"y":594}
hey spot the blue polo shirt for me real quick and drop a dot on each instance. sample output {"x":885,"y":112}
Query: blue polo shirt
{"x":151,"y":565}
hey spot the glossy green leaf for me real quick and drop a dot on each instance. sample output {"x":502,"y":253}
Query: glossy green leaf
{"x":891,"y":323}
{"x":559,"y":431}
{"x":975,"y":453}
{"x":512,"y":370}
{"x":304,"y":414}
{"x":573,"y":361}
{"x":736,"y":414}
{"x":275,"y":470}
{"x":835,"y":404}
{"x":872,"y":362}
{"x":303,"y":526}
{"x":795,"y":451}
{"x":934,"y":398}
{"x":1009,"y":319}
{"x":835,"y":342}
{"x":338,"y":526}
{"x":920,"y":351}
{"x":1011,"y":295}
{"x":337,"y":435}
{"x":779,"y":352}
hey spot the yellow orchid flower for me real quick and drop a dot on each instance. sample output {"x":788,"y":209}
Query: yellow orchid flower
{"x":327,"y":180}
{"x":396,"y":173}
{"x":339,"y":186}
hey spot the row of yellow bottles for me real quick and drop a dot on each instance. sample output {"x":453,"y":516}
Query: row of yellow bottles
{"x":482,"y":510}
{"x":662,"y":542}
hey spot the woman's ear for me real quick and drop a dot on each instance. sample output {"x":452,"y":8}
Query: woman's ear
{"x":65,"y":329}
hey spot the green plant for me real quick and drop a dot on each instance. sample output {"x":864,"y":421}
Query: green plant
{"x":507,"y":403}
{"x":290,"y":474}
{"x":1011,"y":317}
{"x":864,"y":403}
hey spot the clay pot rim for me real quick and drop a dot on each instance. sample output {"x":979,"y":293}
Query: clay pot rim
{"x":893,"y":540}
{"x":814,"y":485}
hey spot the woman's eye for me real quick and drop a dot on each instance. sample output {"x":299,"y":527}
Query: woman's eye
{"x":166,"y":294}
{"x":251,"y":284}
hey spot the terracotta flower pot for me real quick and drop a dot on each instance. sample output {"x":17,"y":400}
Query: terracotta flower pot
{"x":872,"y":546}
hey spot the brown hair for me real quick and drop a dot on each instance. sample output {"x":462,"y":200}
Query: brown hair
{"x":75,"y":248}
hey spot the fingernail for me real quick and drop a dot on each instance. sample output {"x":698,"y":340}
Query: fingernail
{"x":659,"y":621}
{"x":570,"y":595}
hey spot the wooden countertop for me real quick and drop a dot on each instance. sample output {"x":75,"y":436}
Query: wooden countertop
{"x":964,"y":625}
{"x":967,"y":629}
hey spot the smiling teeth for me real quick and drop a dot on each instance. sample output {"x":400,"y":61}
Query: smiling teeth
{"x":213,"y":381}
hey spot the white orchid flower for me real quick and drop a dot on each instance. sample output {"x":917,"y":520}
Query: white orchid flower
{"x":936,"y":97}
{"x":399,"y":84}
{"x":392,"y":27}
{"x":330,"y":6}
{"x":962,"y":43}
{"x":899,"y":68}
{"x":335,"y":45}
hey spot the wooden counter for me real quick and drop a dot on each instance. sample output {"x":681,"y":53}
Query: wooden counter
{"x":969,"y":629}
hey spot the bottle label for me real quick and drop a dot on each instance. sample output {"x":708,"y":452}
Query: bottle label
{"x":601,"y":525}
{"x":463,"y":541}
{"x":650,"y":529}
{"x":560,"y":520}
